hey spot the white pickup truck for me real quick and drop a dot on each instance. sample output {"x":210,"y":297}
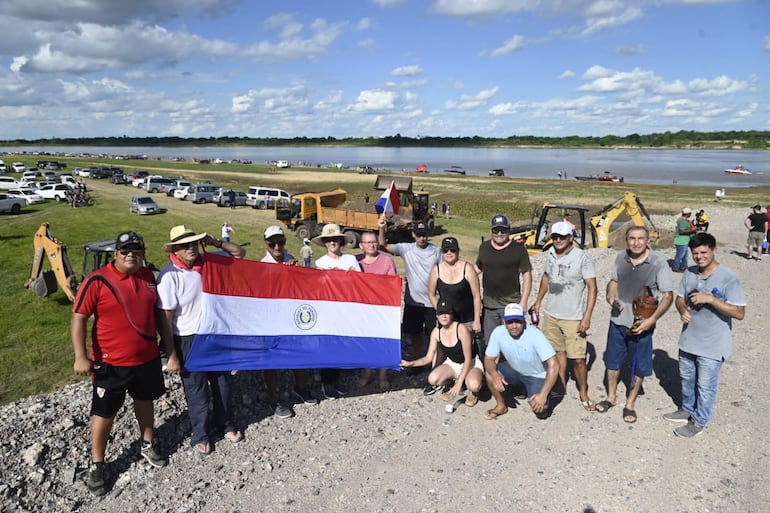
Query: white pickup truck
{"x":14,"y":205}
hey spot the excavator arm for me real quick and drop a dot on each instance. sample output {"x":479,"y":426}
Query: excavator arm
{"x":629,"y":205}
{"x":43,"y":283}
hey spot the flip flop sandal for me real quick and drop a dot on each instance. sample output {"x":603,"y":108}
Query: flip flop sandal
{"x":492,"y":414}
{"x":629,"y":416}
{"x":604,"y":405}
{"x":588,"y":405}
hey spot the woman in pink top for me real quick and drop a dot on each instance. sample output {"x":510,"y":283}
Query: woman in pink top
{"x":372,"y":261}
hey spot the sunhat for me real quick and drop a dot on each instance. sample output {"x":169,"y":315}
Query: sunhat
{"x":182,"y":234}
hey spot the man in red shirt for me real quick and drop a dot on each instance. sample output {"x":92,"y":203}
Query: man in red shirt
{"x":124,"y":349}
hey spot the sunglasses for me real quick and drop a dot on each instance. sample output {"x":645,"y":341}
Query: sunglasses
{"x":499,"y":230}
{"x":338,"y":240}
{"x":556,"y":236}
{"x":448,"y":250}
{"x":126,"y":251}
{"x":276,"y":243}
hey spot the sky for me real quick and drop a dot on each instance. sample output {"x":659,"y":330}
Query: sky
{"x":374,"y":68}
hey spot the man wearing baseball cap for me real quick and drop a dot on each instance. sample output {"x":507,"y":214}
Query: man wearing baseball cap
{"x":684,"y":229}
{"x":124,"y":355}
{"x":507,"y":274}
{"x":569,"y":280}
{"x":530,"y":362}
{"x":419,"y":257}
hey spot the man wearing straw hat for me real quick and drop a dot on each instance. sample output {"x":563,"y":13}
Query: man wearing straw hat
{"x":180,"y":296}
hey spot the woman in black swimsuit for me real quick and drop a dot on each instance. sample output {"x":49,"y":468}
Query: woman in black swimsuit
{"x":455,"y":356}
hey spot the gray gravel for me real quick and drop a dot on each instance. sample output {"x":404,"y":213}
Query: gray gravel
{"x":400,"y":452}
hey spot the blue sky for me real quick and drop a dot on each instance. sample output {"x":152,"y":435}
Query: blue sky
{"x":493,"y":68}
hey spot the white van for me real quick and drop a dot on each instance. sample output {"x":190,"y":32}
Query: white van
{"x":281,"y":163}
{"x":264,"y":197}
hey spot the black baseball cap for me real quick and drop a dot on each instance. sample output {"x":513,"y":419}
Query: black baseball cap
{"x":450,"y":243}
{"x":126,"y":239}
{"x":420,"y":228}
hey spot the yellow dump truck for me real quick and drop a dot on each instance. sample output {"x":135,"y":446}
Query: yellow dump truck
{"x":307,"y":213}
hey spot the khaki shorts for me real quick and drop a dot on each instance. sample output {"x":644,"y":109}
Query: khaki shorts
{"x":563,"y":336}
{"x":755,"y":239}
{"x":458,"y":367}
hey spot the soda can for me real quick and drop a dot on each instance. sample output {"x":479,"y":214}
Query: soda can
{"x":449,"y":408}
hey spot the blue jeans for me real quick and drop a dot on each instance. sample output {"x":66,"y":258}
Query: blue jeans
{"x":199,"y":387}
{"x":680,"y":259}
{"x":700,"y":377}
{"x":531,"y":384}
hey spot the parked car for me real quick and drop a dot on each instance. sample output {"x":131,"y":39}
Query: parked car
{"x":178,"y":184}
{"x":9,"y":182}
{"x":181,"y":193}
{"x":58,"y":191}
{"x":29,"y":176}
{"x":11,"y":204}
{"x":49,"y":175}
{"x":143,"y":205}
{"x":118,"y":178}
{"x":29,"y":194}
{"x":82,"y":172}
{"x":18,"y":167}
{"x":222,"y":198}
{"x":3,"y":169}
{"x":138,"y":177}
{"x":156,"y":183}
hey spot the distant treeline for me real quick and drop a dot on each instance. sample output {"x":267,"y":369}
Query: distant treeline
{"x":750,"y":139}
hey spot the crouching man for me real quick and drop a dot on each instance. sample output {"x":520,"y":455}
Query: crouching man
{"x":530,"y":363}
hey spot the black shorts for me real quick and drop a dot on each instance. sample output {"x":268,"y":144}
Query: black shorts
{"x":418,"y":319}
{"x":143,"y":382}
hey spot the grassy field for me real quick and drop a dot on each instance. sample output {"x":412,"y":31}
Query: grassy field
{"x":35,"y":349}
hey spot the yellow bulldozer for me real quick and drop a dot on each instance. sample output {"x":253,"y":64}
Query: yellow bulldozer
{"x":591,"y":231}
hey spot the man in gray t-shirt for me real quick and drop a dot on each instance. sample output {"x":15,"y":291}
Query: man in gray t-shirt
{"x":709,"y":297}
{"x":569,"y":277}
{"x":419,"y":258}
{"x":637,"y":269}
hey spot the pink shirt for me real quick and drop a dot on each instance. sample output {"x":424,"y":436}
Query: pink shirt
{"x":384,"y":264}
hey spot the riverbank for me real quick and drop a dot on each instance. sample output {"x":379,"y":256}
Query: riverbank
{"x":399,"y":451}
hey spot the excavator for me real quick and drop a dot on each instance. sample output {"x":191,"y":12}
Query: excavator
{"x":44,"y":283}
{"x":535,"y":237}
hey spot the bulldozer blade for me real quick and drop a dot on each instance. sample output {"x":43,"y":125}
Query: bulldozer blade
{"x":44,"y":285}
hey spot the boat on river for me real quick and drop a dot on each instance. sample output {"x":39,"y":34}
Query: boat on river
{"x":607,"y":176}
{"x":455,"y":169}
{"x":738,"y":170}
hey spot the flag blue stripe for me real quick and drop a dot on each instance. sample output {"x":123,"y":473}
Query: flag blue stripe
{"x":243,"y":352}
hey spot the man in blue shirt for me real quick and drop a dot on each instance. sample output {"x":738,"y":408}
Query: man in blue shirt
{"x":530,"y":363}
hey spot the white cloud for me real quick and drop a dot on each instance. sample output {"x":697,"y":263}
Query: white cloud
{"x":374,"y":100}
{"x":364,"y":23}
{"x":273,"y":101}
{"x":767,"y":43}
{"x":407,"y":71}
{"x":388,"y":3}
{"x":467,"y":102}
{"x":638,"y":81}
{"x":566,"y":74}
{"x":515,"y":43}
{"x":293,"y":46}
{"x":476,"y":8}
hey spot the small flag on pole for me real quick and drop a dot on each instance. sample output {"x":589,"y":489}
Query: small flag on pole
{"x":388,"y":202}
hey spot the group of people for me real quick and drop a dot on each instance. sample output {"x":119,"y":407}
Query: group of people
{"x":476,"y":327}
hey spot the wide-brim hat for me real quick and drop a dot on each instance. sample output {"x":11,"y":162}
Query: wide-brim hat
{"x":329,"y":231}
{"x":182,"y":234}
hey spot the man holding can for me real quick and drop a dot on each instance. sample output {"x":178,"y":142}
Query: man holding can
{"x":569,"y":279}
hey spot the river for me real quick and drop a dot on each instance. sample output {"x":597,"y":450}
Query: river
{"x":687,"y":167}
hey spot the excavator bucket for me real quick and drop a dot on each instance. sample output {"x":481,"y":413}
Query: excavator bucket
{"x":44,"y":285}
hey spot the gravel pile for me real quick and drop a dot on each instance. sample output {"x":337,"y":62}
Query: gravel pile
{"x":399,"y":451}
